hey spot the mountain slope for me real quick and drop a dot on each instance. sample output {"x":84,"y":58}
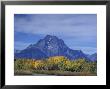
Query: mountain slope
{"x":50,"y":46}
{"x":93,"y":57}
{"x":17,"y":51}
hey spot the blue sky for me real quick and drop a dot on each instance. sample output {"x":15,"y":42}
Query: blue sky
{"x":79,"y":31}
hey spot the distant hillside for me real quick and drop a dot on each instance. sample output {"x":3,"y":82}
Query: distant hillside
{"x":17,"y":51}
{"x":93,"y":57}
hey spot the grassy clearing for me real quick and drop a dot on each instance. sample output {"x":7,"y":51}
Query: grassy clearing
{"x":53,"y":72}
{"x":23,"y":72}
{"x":63,"y":73}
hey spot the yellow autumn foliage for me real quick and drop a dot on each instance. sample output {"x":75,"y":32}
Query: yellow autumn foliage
{"x":57,"y":59}
{"x":56,"y":63}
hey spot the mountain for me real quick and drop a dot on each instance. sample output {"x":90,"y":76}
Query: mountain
{"x":17,"y":51}
{"x":93,"y":57}
{"x":48,"y":47}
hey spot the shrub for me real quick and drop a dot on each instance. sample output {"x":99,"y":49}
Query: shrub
{"x":22,"y":64}
{"x":56,"y":63}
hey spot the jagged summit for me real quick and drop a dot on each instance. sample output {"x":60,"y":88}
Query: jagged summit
{"x":50,"y":36}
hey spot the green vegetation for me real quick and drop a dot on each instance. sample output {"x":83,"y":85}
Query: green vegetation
{"x":58,"y":65}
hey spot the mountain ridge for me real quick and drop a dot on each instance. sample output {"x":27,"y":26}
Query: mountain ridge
{"x":48,"y":47}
